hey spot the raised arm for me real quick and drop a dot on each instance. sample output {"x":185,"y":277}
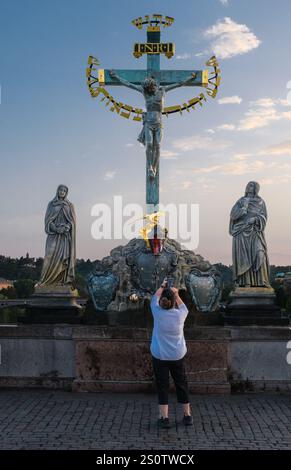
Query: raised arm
{"x":178,"y":299}
{"x":113,"y":74}
{"x":177,"y":85}
{"x":158,"y":293}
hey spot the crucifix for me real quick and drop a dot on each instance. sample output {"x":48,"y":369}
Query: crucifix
{"x":153,"y":83}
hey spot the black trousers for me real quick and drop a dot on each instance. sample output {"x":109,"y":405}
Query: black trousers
{"x":178,"y":373}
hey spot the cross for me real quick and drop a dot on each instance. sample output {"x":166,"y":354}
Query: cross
{"x":165,"y":79}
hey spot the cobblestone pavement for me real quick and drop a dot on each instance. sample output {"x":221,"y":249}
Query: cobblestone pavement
{"x":31,"y":419}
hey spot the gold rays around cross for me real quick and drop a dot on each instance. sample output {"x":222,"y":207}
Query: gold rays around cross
{"x":134,"y":113}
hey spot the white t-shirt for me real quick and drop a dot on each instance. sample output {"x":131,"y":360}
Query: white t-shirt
{"x":168,"y":342}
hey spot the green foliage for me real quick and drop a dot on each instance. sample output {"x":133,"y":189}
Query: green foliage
{"x":226,"y":273}
{"x":26,"y":271}
{"x":225,"y":292}
{"x":20,"y":268}
{"x":80,"y":283}
{"x":10,"y":315}
{"x":9,"y":293}
{"x":281,"y":295}
{"x":278,"y":269}
{"x":24,"y":288}
{"x":83,"y":268}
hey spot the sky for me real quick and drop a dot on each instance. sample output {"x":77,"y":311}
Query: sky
{"x":52,"y":131}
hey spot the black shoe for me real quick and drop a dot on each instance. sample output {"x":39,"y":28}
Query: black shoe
{"x":164,"y":423}
{"x":188,"y":420}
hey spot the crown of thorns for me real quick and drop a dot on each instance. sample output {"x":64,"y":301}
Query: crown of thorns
{"x":149,"y":81}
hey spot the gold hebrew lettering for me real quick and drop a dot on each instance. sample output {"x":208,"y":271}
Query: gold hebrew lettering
{"x":127,"y":108}
{"x":169,"y":21}
{"x":158,"y":18}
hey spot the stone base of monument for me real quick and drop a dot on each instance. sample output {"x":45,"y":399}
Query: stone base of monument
{"x":108,"y":359}
{"x":123,"y":283}
{"x":254,"y":306}
{"x":53,"y":304}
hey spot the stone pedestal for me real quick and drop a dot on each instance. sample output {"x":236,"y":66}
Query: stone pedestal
{"x":118,"y":359}
{"x":254,"y":306}
{"x":125,"y":281}
{"x":53,"y":304}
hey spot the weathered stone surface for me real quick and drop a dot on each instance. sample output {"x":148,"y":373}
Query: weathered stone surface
{"x":46,"y":419}
{"x":205,"y":289}
{"x":28,"y":357}
{"x":99,"y":363}
{"x":113,"y":360}
{"x":259,"y":333}
{"x":53,"y":304}
{"x":248,"y":220}
{"x":140,"y":273}
{"x":254,"y":306}
{"x":60,"y":249}
{"x":260,"y":364}
{"x":99,"y":358}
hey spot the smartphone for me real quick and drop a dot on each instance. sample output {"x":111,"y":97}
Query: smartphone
{"x":170,"y":282}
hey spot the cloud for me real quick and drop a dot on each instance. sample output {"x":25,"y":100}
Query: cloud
{"x":169,"y":154}
{"x":286,"y":115}
{"x":198,"y":142}
{"x":186,"y":184}
{"x":224,"y":2}
{"x":230,"y":100}
{"x":129,"y":145}
{"x":283,"y":102}
{"x":241,"y":156}
{"x":231,"y":38}
{"x":238,"y":165}
{"x":226,"y":127}
{"x":284,"y":148}
{"x":243,"y":167}
{"x":276,"y":179}
{"x":263,"y":112}
{"x":209,"y":169}
{"x":184,"y":56}
{"x":263,"y":103}
{"x":207,"y":184}
{"x":269,"y":102}
{"x":258,"y":117}
{"x":260,"y":113}
{"x":109,"y":175}
{"x":267,"y":181}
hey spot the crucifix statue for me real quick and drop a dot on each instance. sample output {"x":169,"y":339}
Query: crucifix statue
{"x":151,"y":134}
{"x":153,"y":83}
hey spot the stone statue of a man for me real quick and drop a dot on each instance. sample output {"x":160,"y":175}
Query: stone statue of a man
{"x":151,"y":134}
{"x":60,"y":252}
{"x":248,"y":219}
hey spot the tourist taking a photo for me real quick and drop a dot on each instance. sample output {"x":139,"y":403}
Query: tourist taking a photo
{"x":168,"y":349}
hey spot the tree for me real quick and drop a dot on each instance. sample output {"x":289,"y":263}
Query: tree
{"x":9,"y":293}
{"x":24,"y":288}
{"x":281,"y":296}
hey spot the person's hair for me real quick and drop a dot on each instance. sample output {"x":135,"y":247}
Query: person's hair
{"x":167,"y":299}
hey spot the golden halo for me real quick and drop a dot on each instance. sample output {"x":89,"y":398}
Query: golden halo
{"x":127,"y":111}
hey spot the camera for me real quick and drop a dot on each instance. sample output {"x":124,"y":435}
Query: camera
{"x":169,"y":281}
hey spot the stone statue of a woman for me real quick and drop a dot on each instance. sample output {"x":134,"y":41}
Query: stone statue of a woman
{"x":60,"y":252}
{"x":248,"y":220}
